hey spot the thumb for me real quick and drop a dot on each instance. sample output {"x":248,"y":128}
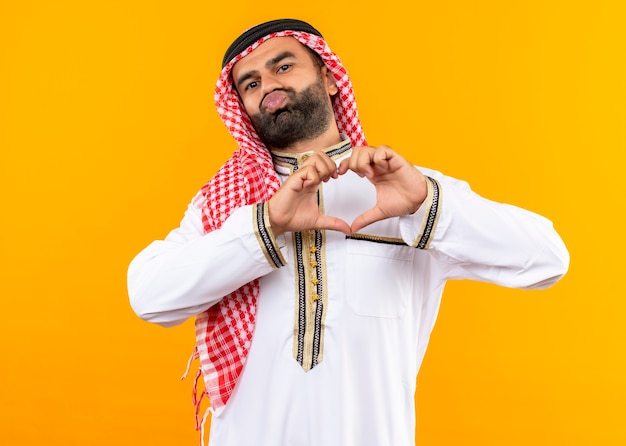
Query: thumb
{"x":366,"y":218}
{"x":332,"y":223}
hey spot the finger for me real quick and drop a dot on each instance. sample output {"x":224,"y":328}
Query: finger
{"x":324,"y":165}
{"x":304,"y":179}
{"x":382,"y":155}
{"x":360,"y":160}
{"x":343,"y":166}
{"x":366,"y":218}
{"x":332,"y":223}
{"x":346,"y":165}
{"x":366,"y":160}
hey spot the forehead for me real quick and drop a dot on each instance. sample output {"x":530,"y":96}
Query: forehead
{"x":257,"y":59}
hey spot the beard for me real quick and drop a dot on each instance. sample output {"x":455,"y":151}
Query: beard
{"x":306,"y":116}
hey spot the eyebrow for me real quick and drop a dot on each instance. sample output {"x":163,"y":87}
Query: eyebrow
{"x":269,"y":64}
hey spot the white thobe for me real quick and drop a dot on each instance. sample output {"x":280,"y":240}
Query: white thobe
{"x":381,"y":297}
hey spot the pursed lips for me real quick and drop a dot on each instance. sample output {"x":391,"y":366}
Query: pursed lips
{"x":274,"y":100}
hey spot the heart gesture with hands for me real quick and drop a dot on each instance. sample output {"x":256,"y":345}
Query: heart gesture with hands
{"x":400,"y":190}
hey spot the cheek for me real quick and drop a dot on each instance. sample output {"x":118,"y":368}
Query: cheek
{"x":251,"y":105}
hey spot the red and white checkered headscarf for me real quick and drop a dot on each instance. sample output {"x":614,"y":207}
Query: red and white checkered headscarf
{"x":224,"y":331}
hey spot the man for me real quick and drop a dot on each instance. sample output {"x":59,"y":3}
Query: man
{"x":314,"y":264}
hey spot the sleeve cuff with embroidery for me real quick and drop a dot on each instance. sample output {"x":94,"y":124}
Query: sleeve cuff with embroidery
{"x":266,"y":237}
{"x":424,"y":221}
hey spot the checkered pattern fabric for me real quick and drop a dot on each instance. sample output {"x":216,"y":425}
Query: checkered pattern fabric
{"x":224,"y":332}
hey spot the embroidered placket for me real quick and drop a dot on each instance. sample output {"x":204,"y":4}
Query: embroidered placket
{"x":311,"y":299}
{"x":310,"y":273}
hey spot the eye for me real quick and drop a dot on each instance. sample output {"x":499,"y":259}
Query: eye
{"x":251,"y":85}
{"x":284,"y":67}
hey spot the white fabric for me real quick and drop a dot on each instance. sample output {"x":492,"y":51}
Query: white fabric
{"x":383,"y":300}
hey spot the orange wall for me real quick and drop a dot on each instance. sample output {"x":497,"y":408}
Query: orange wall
{"x":107,"y":129}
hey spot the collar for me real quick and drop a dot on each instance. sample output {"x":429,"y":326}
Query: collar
{"x":287,"y":163}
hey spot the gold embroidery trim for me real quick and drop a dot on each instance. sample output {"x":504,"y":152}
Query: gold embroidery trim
{"x":311,"y":297}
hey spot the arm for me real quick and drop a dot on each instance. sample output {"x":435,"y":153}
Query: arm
{"x":480,"y":239}
{"x":472,"y":237}
{"x":183,"y":275}
{"x":190,"y":271}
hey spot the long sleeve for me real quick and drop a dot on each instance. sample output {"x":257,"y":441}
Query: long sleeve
{"x":189,"y":271}
{"x":479,"y":239}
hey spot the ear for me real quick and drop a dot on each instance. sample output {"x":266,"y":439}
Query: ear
{"x":329,"y":80}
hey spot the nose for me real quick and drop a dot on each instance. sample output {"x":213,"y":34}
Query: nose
{"x":269,"y":83}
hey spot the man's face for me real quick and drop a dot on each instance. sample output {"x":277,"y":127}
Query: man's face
{"x":285,"y":93}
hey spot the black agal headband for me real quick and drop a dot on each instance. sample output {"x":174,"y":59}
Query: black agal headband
{"x":256,"y":32}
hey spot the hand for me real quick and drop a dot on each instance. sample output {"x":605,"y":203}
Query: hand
{"x":294,"y":206}
{"x":400,"y":187}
